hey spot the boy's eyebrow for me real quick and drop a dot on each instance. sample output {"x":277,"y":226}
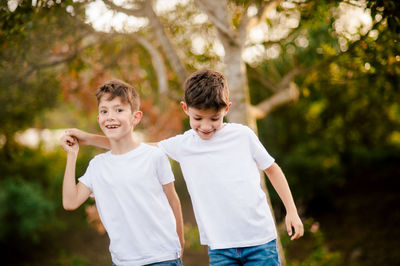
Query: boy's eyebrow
{"x":113,"y":106}
{"x":216,"y":115}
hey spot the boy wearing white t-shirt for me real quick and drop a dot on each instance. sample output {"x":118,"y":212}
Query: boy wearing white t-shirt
{"x":132,"y":185}
{"x":220,"y":163}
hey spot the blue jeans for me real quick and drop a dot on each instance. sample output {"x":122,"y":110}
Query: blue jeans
{"x":262,"y":255}
{"x":176,"y":262}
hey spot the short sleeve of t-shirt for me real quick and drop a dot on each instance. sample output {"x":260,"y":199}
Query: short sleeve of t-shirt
{"x":86,"y":179}
{"x":171,"y":146}
{"x":260,"y":154}
{"x":163,"y":168}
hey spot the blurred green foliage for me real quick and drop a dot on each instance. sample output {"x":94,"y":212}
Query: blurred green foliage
{"x":313,"y":249}
{"x":30,"y":198}
{"x":348,"y":107}
{"x":34,"y":41}
{"x":28,"y":213}
{"x":340,"y":136}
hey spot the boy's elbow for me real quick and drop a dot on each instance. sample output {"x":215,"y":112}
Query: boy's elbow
{"x":69,"y":206}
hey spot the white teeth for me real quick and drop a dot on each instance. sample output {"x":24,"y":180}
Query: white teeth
{"x":111,"y":126}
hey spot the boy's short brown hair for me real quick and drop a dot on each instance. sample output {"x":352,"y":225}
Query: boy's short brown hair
{"x":118,"y":88}
{"x":206,"y":89}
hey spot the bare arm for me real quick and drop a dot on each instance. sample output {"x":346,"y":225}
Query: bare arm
{"x":174,"y":202}
{"x":86,"y":138}
{"x":280,"y":184}
{"x":73,"y":195}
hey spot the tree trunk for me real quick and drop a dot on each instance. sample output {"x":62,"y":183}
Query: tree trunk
{"x":235,"y":71}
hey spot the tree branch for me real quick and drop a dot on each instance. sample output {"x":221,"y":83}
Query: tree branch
{"x":282,"y":97}
{"x":262,"y":12}
{"x":244,"y":22}
{"x":139,"y":12}
{"x":158,"y":64}
{"x":288,"y":90}
{"x":289,"y":77}
{"x":256,"y":74}
{"x":166,"y":44}
{"x":217,"y":12}
{"x":59,"y":58}
{"x":146,"y":10}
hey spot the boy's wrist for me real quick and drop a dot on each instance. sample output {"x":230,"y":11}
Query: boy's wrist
{"x":291,"y":210}
{"x":72,"y":155}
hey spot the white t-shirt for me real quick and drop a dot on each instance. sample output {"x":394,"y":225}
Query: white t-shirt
{"x":223,"y":179}
{"x":133,"y":206}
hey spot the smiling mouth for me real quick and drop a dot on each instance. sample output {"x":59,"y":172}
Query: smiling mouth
{"x":206,"y":132}
{"x":112,"y":126}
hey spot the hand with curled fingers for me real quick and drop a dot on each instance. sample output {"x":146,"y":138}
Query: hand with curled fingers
{"x":69,"y":144}
{"x":79,"y":135}
{"x":293,"y":221}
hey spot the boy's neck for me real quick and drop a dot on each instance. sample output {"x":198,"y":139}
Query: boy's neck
{"x":123,"y":145}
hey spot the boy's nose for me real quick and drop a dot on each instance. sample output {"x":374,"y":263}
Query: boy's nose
{"x":110,"y":116}
{"x":206,"y":126}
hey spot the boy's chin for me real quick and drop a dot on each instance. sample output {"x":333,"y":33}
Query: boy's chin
{"x":205,"y":136}
{"x":111,"y":135}
{"x":118,"y":136}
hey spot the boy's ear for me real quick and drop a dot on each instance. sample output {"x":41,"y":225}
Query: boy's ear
{"x":227,"y":108}
{"x":137,"y":116}
{"x":184,"y":107}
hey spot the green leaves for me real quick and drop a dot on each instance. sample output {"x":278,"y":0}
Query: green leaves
{"x":24,"y":211}
{"x":348,"y":108}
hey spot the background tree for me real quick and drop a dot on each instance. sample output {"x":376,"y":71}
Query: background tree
{"x":29,"y":59}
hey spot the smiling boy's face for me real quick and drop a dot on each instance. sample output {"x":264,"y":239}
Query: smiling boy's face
{"x":115,"y":117}
{"x":205,"y":122}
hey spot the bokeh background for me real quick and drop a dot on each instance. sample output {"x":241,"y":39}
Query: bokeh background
{"x":317,"y":80}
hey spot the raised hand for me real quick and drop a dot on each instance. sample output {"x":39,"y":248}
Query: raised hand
{"x":81,"y":136}
{"x":69,"y":144}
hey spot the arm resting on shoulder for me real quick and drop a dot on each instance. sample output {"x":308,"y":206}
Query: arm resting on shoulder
{"x":86,"y":138}
{"x":281,"y":186}
{"x":174,"y":202}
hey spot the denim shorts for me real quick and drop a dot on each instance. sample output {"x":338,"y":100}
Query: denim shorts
{"x":262,"y":255}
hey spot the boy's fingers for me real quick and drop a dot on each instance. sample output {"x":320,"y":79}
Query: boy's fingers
{"x":295,"y":236}
{"x":289,"y":228}
{"x":299,"y":231}
{"x":64,"y":139}
{"x":68,"y":140}
{"x":73,"y":132}
{"x":69,"y":132}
